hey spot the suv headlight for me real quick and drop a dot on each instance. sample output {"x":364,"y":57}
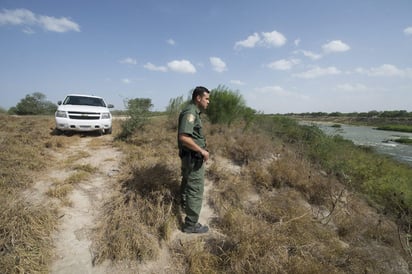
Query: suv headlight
{"x":106,"y":115}
{"x":61,"y":114}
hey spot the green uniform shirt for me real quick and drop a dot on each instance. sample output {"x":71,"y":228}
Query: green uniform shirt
{"x":190,"y":124}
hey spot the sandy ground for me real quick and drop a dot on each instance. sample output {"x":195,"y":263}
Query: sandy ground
{"x":72,"y":239}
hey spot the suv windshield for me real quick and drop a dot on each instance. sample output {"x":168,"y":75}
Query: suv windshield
{"x":84,"y":101}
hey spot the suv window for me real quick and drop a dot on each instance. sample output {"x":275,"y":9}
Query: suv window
{"x":85,"y":101}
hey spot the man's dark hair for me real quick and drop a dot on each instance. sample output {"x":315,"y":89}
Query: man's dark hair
{"x":199,"y":91}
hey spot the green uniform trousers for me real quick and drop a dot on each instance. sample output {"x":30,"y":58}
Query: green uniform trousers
{"x":192,"y":188}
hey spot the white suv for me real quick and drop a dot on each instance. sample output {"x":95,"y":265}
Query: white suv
{"x":79,"y":112}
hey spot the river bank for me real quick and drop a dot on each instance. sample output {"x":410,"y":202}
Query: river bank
{"x":382,"y":141}
{"x":384,"y":122}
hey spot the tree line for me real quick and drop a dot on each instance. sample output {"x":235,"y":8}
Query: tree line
{"x":369,"y":114}
{"x":226,"y":106}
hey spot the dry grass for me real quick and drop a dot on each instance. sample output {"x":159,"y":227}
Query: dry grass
{"x":27,"y":145}
{"x":301,"y":222}
{"x":298,"y":220}
{"x":22,"y":150}
{"x":25,"y":229}
{"x":61,"y":190}
{"x":122,"y":235}
{"x":25,"y":239}
{"x":144,"y":208}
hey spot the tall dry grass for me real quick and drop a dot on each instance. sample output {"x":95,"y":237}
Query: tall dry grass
{"x":144,"y":208}
{"x":276,"y":212}
{"x":25,"y":228}
{"x":27,"y":148}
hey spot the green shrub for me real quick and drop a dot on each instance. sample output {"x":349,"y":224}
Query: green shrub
{"x":35,"y":104}
{"x":138,"y":110}
{"x":227,"y":106}
{"x":173,"y":110}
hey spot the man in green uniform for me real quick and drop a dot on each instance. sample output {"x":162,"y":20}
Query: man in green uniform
{"x":192,"y":152}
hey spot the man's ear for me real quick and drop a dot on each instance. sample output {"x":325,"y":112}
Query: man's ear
{"x":198,"y":98}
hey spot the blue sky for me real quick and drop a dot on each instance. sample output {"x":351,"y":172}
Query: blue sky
{"x":281,"y":56}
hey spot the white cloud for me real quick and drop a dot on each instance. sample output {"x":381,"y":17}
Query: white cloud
{"x":296,"y":42}
{"x":318,"y":72}
{"x":57,"y":24}
{"x":17,"y":17}
{"x":126,"y":81}
{"x":387,"y":70}
{"x":335,"y":46}
{"x":152,"y":67}
{"x":283,"y":64}
{"x":27,"y":18}
{"x":28,"y":30}
{"x":171,"y":42}
{"x":311,"y":55}
{"x":273,"y":39}
{"x":408,"y":31}
{"x":352,"y":87}
{"x":218,"y":64}
{"x":265,"y":39}
{"x":250,"y":42}
{"x":182,"y":66}
{"x":237,"y":82}
{"x":279,"y":91}
{"x":128,"y":60}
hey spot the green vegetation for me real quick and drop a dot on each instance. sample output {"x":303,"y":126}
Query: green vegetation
{"x":370,"y":114}
{"x":173,"y":109}
{"x":403,"y":140}
{"x":34,"y":104}
{"x":401,"y":128}
{"x":227,"y":106}
{"x":395,"y":118}
{"x":138,"y":111}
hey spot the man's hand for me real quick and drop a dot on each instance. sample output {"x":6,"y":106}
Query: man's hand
{"x":205,"y":154}
{"x":188,"y":142}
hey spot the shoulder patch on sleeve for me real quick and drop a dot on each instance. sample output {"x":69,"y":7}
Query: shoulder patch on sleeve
{"x":190,"y":118}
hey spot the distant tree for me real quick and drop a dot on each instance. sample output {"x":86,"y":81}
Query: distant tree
{"x":12,"y":111}
{"x":319,"y":114}
{"x":335,"y":114}
{"x":226,"y":106}
{"x":138,"y":110}
{"x":395,"y":113}
{"x":2,"y":110}
{"x":35,"y":104}
{"x":373,"y":113}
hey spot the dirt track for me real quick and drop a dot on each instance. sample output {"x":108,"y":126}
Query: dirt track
{"x":78,"y":216}
{"x":72,"y":240}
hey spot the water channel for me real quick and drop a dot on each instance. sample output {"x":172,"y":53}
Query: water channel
{"x":380,"y":140}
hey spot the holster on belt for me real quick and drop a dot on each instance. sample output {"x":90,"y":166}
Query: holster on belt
{"x":195,"y":158}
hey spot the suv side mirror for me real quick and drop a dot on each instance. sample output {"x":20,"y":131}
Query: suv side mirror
{"x":110,"y":106}
{"x":59,"y":102}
